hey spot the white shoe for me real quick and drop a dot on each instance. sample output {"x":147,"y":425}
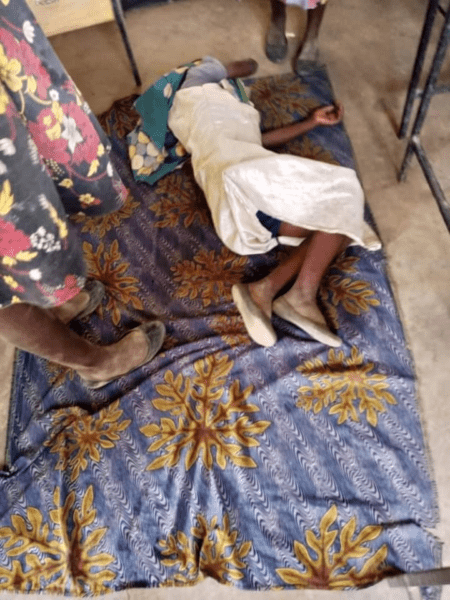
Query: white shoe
{"x":318,"y":331}
{"x":258,"y":324}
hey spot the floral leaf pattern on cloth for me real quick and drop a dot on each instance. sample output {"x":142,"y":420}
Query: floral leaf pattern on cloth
{"x":267,"y":487}
{"x":50,"y":552}
{"x":178,"y":196}
{"x":106,"y":266}
{"x":355,"y":296}
{"x":344,"y":384}
{"x":205,"y":423}
{"x":231,"y":329}
{"x":59,"y":374}
{"x":212,"y":552}
{"x":279,"y":101}
{"x":102,"y":224}
{"x":209,"y":276}
{"x":83,"y":436}
{"x":332,"y":570}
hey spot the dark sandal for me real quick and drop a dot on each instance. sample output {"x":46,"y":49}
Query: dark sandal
{"x":276,"y":44}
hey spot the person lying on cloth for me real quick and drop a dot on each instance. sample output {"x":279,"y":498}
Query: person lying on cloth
{"x":257,"y":198}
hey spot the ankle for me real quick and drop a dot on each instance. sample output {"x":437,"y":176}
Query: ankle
{"x":117,"y":359}
{"x":302,"y":295}
{"x":68,"y":310}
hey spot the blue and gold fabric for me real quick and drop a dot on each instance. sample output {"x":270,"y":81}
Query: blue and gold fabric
{"x":291,"y":467}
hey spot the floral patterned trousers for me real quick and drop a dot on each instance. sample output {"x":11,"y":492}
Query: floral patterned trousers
{"x":54,"y":162}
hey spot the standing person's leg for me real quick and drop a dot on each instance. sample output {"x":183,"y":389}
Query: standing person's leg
{"x":38,"y":331}
{"x":276,"y":42}
{"x":81,"y":305}
{"x":308,"y":50}
{"x":276,"y":46}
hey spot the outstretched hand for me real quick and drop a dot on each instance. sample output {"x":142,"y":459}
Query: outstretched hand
{"x":327,"y":115}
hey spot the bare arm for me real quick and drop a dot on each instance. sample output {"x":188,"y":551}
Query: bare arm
{"x":324,"y":115}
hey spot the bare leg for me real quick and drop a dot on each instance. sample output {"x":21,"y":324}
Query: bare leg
{"x":276,"y":42}
{"x":38,"y":331}
{"x":308,"y":50}
{"x":307,"y":264}
{"x":81,"y":305}
{"x":69,"y":310}
{"x":254,"y":300}
{"x":264,"y":290}
{"x":299,"y":305}
{"x":321,"y":250}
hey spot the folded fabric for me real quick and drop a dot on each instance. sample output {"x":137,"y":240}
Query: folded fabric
{"x":153,"y":149}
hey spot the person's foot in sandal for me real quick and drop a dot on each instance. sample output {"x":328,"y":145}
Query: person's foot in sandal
{"x":134,"y":350}
{"x":256,"y":322}
{"x":307,"y":317}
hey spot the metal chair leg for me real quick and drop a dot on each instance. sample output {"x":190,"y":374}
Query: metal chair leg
{"x":433,"y":6}
{"x":118,"y":13}
{"x":430,"y":86}
{"x":414,"y":145}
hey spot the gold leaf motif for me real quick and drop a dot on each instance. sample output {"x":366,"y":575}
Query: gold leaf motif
{"x":321,"y":568}
{"x":67,"y":183}
{"x":178,"y":196}
{"x":10,"y":281}
{"x":231,"y":329}
{"x":345,"y":385}
{"x":355,"y":296}
{"x":279,"y":97}
{"x":202,"y":423}
{"x":4,"y":99}
{"x":102,"y":224}
{"x":107,"y":267}
{"x":209,"y":276}
{"x":214,"y":552}
{"x":10,"y":69}
{"x":60,"y":554}
{"x":82,"y":436}
{"x":31,"y":84}
{"x":93,"y":168}
{"x":307,"y":148}
{"x":25,"y":256}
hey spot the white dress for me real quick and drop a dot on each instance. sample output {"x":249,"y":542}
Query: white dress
{"x":239,"y":177}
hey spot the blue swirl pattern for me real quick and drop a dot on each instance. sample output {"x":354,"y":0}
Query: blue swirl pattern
{"x":209,"y":460}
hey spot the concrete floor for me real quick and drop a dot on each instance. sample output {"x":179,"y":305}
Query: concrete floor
{"x":369,"y":49}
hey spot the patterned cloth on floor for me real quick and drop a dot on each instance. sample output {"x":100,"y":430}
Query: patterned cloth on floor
{"x":290,"y":467}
